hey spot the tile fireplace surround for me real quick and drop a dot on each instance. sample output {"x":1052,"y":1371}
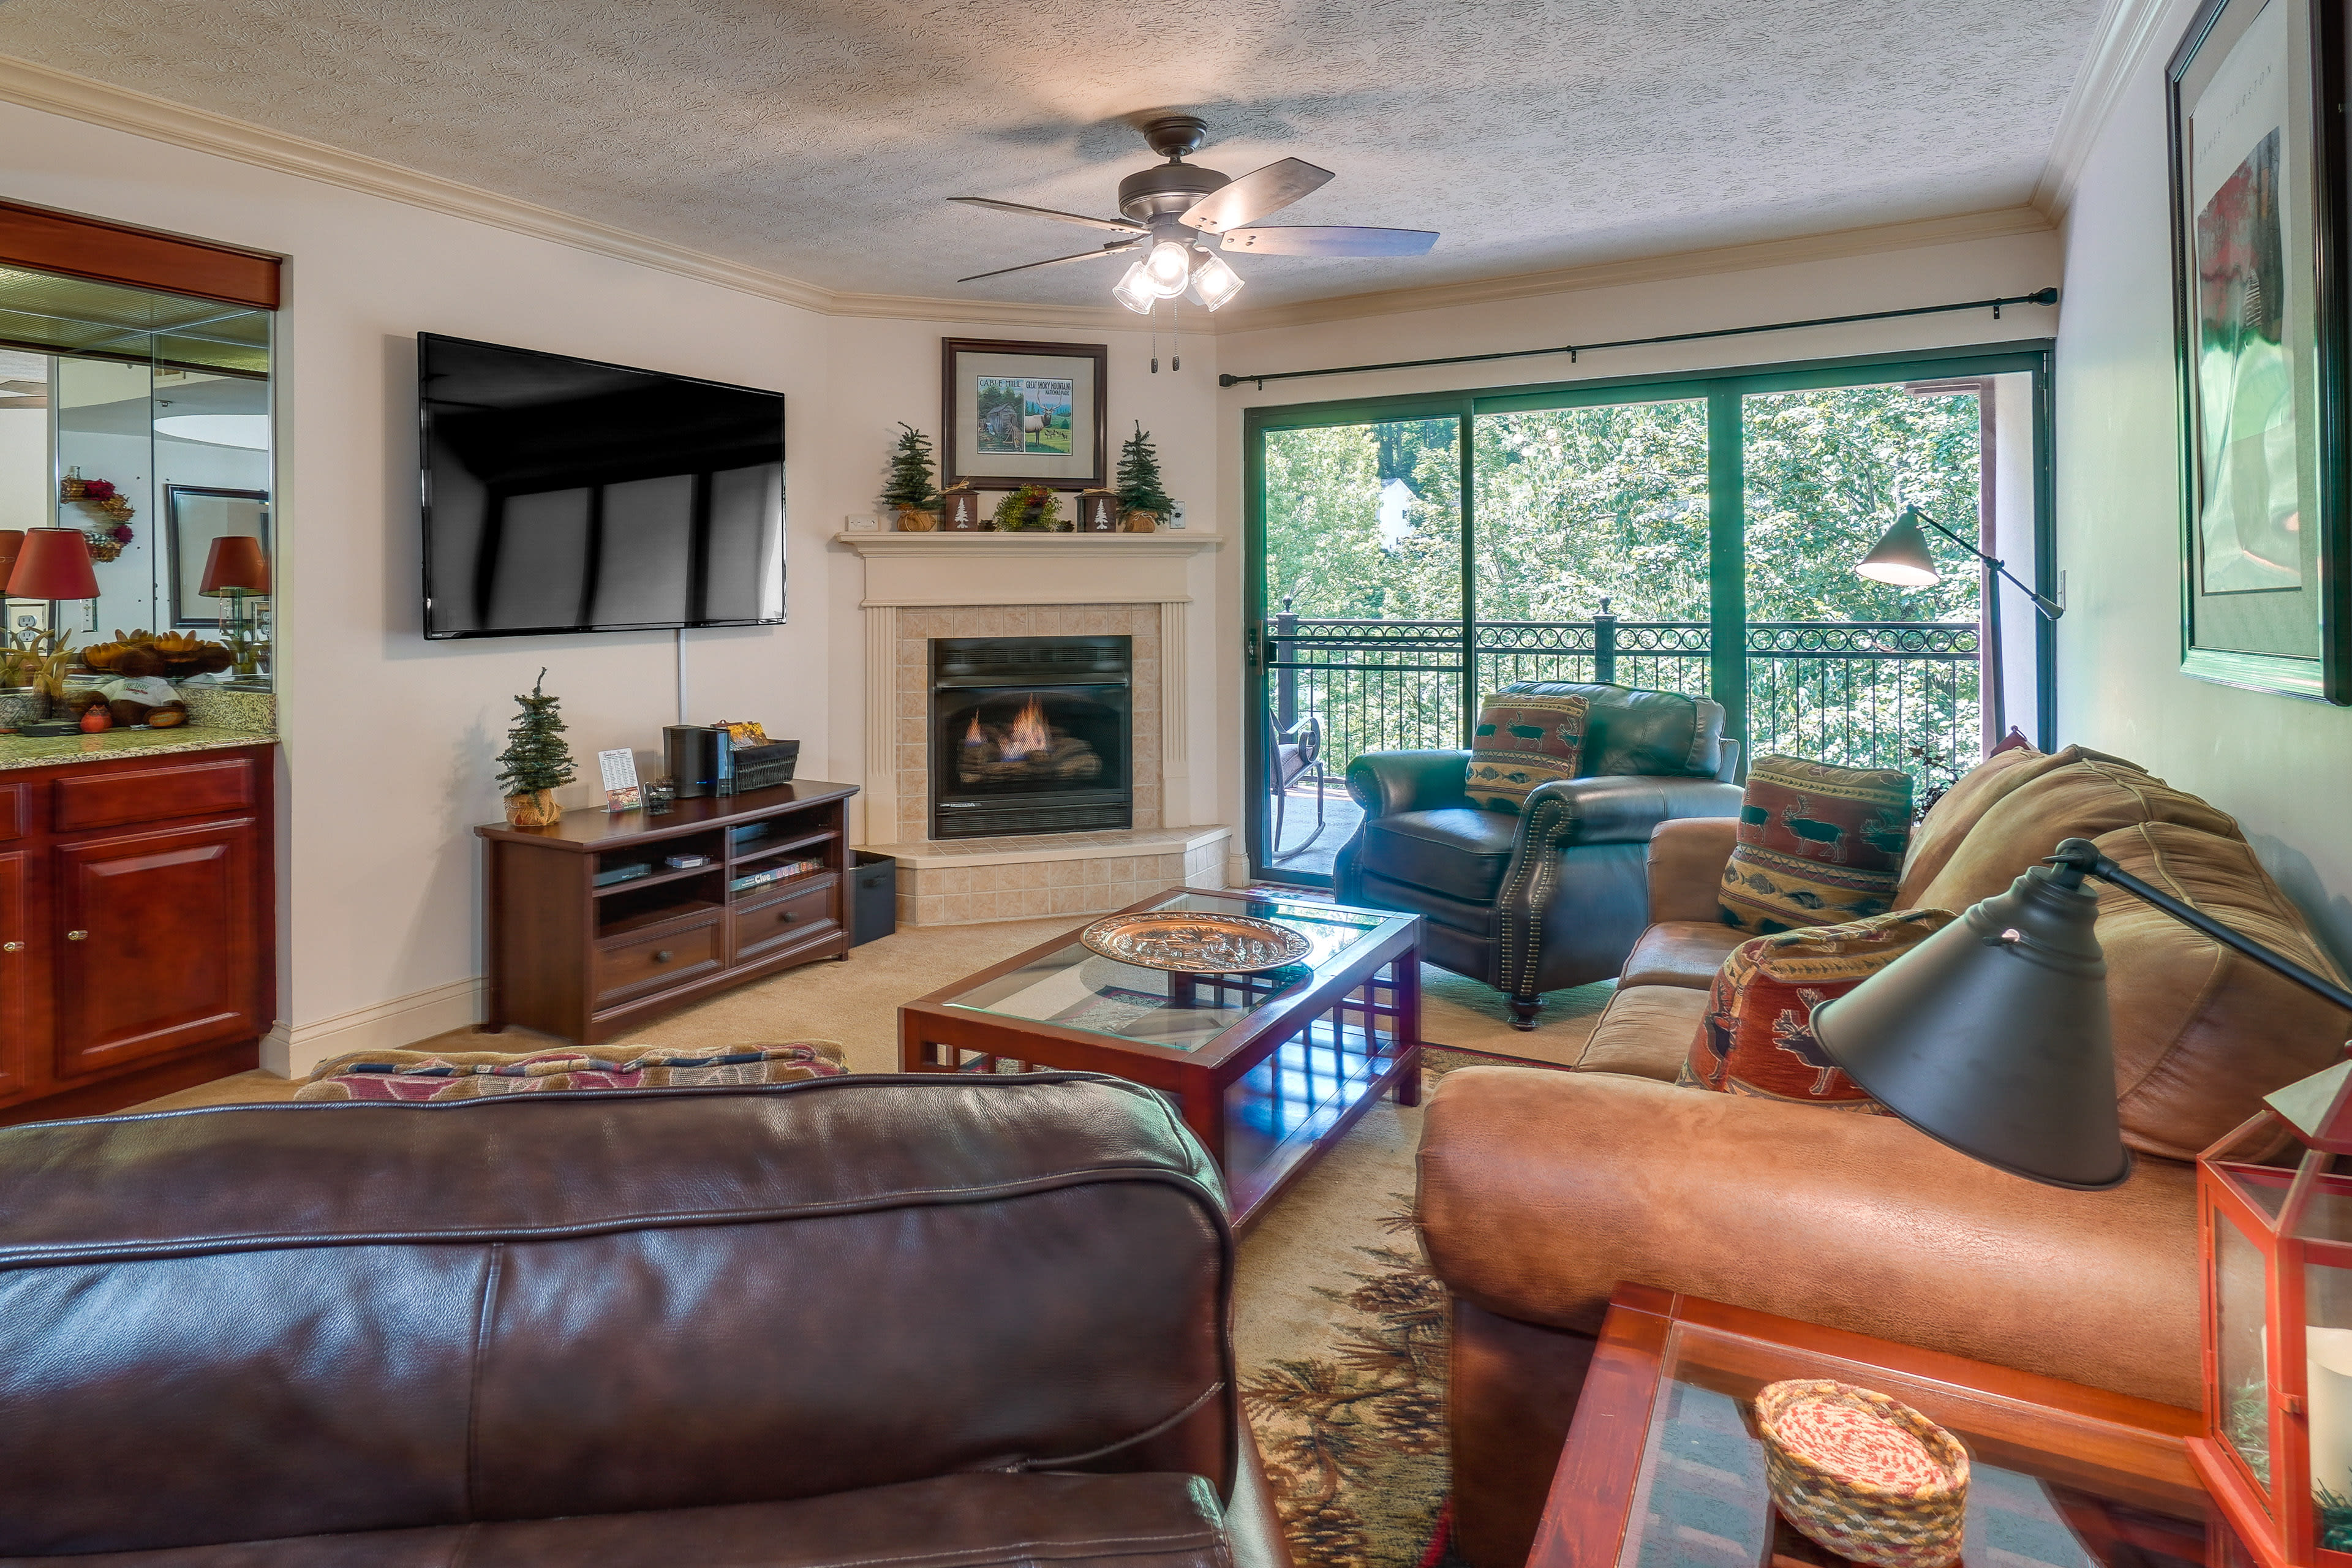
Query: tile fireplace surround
{"x":921,"y":587}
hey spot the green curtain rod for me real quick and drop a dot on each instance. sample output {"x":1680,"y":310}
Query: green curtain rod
{"x":2040,"y":297}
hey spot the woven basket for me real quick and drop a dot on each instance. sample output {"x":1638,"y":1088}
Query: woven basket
{"x":1890,"y":1525}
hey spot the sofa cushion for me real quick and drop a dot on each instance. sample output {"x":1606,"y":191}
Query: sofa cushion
{"x":1156,"y":1520}
{"x":1457,"y":850}
{"x":1643,"y":1032}
{"x":2201,"y":1034}
{"x":1680,"y":952}
{"x":1756,"y":1037}
{"x":1963,"y":806}
{"x":2080,"y":799}
{"x":1819,"y":844}
{"x":1522,"y":742}
{"x":469,"y":1075}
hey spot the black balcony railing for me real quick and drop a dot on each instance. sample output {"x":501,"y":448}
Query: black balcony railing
{"x":1861,"y":694}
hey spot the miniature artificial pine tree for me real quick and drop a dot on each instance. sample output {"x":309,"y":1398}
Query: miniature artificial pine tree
{"x":536,"y":758}
{"x":1138,"y":475}
{"x":910,"y":472}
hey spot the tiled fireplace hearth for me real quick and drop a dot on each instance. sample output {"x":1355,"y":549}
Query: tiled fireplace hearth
{"x":1039,"y":595}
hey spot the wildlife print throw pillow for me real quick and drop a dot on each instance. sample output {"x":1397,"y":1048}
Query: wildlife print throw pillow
{"x":1819,"y":845}
{"x":1756,"y":1037}
{"x":1522,"y":742}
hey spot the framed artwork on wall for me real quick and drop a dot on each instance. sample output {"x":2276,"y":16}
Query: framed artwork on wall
{"x":1015,"y":413}
{"x":195,"y":515}
{"x":2258,"y":319}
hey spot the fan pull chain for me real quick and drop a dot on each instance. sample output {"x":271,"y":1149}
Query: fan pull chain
{"x":1154,"y":318}
{"x":1175,"y":332}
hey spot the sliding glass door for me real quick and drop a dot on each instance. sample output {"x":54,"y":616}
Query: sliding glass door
{"x":1408,"y":555}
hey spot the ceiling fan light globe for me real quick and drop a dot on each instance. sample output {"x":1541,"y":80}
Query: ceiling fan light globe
{"x":1213,"y":283}
{"x":1135,"y":291}
{"x":1169,"y":266}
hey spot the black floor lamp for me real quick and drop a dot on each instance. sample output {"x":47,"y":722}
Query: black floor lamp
{"x":1901,"y":557}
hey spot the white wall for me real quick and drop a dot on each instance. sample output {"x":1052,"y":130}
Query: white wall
{"x":1930,"y":274}
{"x":2278,"y":765}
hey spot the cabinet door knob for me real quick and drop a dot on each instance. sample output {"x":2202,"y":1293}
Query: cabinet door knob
{"x":76,"y":936}
{"x":784,"y":915}
{"x":661,"y":955}
{"x":11,"y":947}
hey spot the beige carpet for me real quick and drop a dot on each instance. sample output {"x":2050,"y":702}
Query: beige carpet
{"x":1339,"y":1329}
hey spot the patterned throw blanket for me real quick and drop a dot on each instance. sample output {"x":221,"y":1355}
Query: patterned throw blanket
{"x":469,"y":1075}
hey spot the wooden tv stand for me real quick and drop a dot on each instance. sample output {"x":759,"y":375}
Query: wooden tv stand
{"x":587,"y":963}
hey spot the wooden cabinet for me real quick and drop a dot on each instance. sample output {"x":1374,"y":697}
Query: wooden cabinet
{"x":591,"y":931}
{"x":137,"y":929}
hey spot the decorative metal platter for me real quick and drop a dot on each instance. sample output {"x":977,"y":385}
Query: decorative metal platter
{"x":1194,"y":943}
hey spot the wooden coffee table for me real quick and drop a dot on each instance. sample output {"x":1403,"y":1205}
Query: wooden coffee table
{"x":1267,"y":1070}
{"x":1662,"y":1468}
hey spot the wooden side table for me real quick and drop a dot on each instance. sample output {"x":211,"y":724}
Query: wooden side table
{"x":1662,"y":1468}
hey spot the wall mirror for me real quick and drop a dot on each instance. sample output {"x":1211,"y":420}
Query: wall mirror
{"x":141,"y":420}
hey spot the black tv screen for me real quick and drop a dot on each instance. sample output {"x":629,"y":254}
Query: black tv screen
{"x":562,"y":495}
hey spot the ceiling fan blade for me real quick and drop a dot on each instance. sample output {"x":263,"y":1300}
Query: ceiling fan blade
{"x":1055,"y":260}
{"x":1308,"y":241}
{"x":1114,"y":226}
{"x":1254,"y":195}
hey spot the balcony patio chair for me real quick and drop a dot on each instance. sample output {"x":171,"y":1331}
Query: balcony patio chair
{"x":1557,"y":893}
{"x":1291,"y":754}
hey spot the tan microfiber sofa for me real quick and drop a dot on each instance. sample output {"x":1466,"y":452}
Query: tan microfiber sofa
{"x":1539,"y":1189}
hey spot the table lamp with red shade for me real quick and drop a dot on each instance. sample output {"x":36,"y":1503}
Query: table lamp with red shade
{"x":52,"y":563}
{"x":237,"y":570}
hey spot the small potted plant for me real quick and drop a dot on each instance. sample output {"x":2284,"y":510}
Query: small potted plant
{"x":536,"y":762}
{"x":912,"y":494}
{"x":1029,"y":509}
{"x":1143,"y":505}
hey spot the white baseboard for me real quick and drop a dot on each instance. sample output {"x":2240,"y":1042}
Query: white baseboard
{"x":386,"y":1027}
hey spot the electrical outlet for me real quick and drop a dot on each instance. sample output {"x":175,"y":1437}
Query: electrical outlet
{"x":868,"y":524}
{"x":1176,"y":515}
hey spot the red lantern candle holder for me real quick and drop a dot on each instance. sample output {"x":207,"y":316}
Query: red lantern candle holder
{"x":2277,"y":1247}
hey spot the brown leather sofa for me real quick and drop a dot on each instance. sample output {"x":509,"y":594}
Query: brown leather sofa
{"x":857,"y":1319}
{"x":1553,"y":894}
{"x":1541,"y":1190}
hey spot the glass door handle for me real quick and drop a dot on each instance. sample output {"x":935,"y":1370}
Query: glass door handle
{"x":11,"y":947}
{"x":76,"y":936}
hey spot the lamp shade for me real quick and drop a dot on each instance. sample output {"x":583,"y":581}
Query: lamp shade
{"x":1901,"y":557}
{"x":1992,"y":1035}
{"x":12,"y":540}
{"x":53,"y":563}
{"x":235,"y":565}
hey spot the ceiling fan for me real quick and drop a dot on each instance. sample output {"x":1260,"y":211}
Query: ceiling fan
{"x":1180,"y":216}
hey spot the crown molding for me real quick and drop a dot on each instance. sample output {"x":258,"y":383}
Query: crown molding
{"x":2126,"y":32}
{"x":99,"y":103}
{"x":1871,"y":240}
{"x":1029,"y":545}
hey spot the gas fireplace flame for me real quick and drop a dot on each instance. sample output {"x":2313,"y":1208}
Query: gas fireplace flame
{"x":1028,"y":735}
{"x":975,"y":736}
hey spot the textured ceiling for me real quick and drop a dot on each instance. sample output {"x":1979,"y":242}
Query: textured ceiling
{"x":818,"y":139}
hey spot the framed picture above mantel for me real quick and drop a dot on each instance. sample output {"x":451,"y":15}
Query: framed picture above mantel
{"x":1015,"y":413}
{"x":2259,"y":253}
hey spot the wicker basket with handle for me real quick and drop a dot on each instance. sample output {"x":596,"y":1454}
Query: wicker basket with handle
{"x":1865,"y":1476}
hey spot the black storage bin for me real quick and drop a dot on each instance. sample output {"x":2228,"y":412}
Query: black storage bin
{"x":873,"y":898}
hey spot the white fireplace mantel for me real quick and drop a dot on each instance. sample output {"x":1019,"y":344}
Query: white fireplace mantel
{"x":922,"y":573}
{"x":1026,"y":568}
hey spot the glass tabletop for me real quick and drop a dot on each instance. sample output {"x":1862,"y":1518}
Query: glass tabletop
{"x":2047,"y":1488}
{"x":1075,"y":988}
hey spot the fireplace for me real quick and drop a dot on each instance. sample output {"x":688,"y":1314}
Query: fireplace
{"x":1030,"y":734}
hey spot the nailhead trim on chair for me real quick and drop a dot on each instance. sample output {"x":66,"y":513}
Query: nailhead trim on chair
{"x":1526,"y":890}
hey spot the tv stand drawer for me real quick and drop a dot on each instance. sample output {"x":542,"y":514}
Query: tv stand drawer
{"x":656,"y":959}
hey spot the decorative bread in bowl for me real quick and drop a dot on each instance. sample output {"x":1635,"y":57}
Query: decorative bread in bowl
{"x":1863,"y":1474}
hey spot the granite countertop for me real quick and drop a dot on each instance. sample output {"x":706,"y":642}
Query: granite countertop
{"x":48,"y":751}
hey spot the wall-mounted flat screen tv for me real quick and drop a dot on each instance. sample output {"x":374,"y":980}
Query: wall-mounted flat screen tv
{"x":562,"y":495}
